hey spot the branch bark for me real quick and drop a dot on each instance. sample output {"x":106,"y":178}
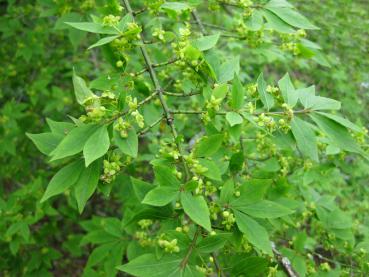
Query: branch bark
{"x":285,"y":262}
{"x":168,"y":116}
{"x":190,"y":248}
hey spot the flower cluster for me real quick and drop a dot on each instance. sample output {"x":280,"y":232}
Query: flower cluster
{"x":111,"y":168}
{"x":229,"y":220}
{"x":110,"y":20}
{"x":290,"y":42}
{"x":169,"y":246}
{"x":122,"y":127}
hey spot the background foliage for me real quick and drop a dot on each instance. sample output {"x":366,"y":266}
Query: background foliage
{"x":326,"y":236}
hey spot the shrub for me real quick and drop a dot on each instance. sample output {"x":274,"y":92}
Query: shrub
{"x":193,"y":156}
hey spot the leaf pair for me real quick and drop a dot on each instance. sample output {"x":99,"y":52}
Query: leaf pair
{"x":333,"y":126}
{"x":285,"y":13}
{"x":99,"y":28}
{"x":91,"y":138}
{"x":169,"y":189}
{"x":83,"y":179}
{"x":251,"y":205}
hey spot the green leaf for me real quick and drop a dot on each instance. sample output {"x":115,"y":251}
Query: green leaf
{"x":63,"y":179}
{"x":20,"y":228}
{"x":228,"y":69}
{"x":81,"y":90}
{"x":255,"y":22}
{"x":278,"y":4}
{"x":292,"y":17}
{"x":335,"y":219}
{"x":321,"y":58}
{"x":220,"y":91}
{"x":227,"y":191}
{"x":192,"y":53}
{"x":251,"y":191}
{"x":265,"y":97}
{"x":306,"y":96}
{"x":140,"y":188}
{"x":238,"y":94}
{"x":254,"y":266}
{"x":98,"y":236}
{"x":197,"y":209}
{"x":234,"y":118}
{"x":165,"y":177}
{"x":305,"y":138}
{"x":148,"y":265}
{"x":237,"y":161}
{"x":343,"y":121}
{"x":191,"y":185}
{"x":265,"y":209}
{"x":254,"y":232}
{"x":107,"y":81}
{"x":99,"y":254}
{"x":338,"y":134}
{"x":74,"y":142}
{"x":61,"y":128}
{"x":211,"y":244}
{"x":160,"y":196}
{"x":87,"y":184}
{"x":323,"y":103}
{"x":128,"y":145}
{"x":103,"y":41}
{"x":288,"y":91}
{"x":208,"y":145}
{"x":97,"y":145}
{"x":45,"y":142}
{"x":175,"y":6}
{"x":213,"y":171}
{"x":275,"y":23}
{"x":205,"y":42}
{"x":92,"y":27}
{"x":123,"y":23}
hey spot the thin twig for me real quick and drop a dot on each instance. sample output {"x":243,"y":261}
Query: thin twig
{"x":212,"y":26}
{"x":154,"y":65}
{"x":173,"y":60}
{"x":181,"y":94}
{"x":152,"y":125}
{"x":141,"y":103}
{"x":139,"y":11}
{"x":199,"y":22}
{"x":225,"y":112}
{"x":193,"y":112}
{"x":217,"y":266}
{"x":232,"y":36}
{"x":159,"y":90}
{"x":190,"y":248}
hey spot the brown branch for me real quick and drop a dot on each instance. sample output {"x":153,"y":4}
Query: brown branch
{"x":285,"y":262}
{"x":190,"y":248}
{"x":217,"y":266}
{"x":199,"y":22}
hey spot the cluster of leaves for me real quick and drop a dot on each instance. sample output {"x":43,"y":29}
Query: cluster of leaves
{"x":252,"y":188}
{"x":347,"y":73}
